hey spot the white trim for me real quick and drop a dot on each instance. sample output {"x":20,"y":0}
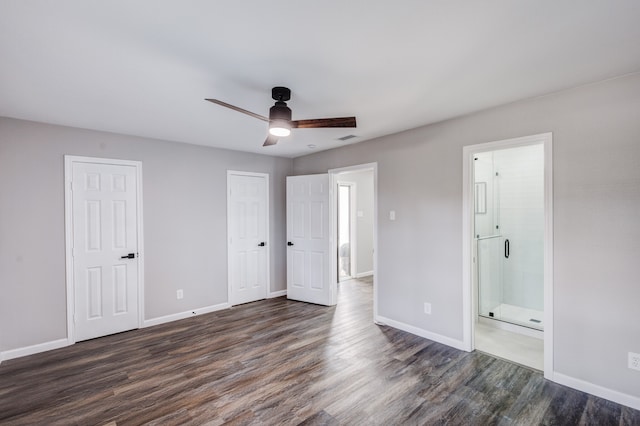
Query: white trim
{"x":468,"y":307}
{"x":468,"y":292}
{"x":548,"y":255}
{"x":278,"y":293}
{"x":68,"y":222}
{"x":185,"y":314}
{"x":364,"y":274}
{"x":333,"y":177}
{"x":599,"y":391}
{"x":141,"y":255}
{"x":34,"y":349}
{"x":68,"y":240}
{"x":267,"y":231}
{"x":454,"y":343}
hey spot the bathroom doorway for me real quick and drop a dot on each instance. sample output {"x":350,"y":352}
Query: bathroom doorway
{"x":508,"y":220}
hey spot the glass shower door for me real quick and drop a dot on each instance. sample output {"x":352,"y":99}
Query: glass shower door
{"x":508,"y":228}
{"x":490,"y":276}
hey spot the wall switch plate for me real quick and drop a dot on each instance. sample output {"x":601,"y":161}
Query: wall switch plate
{"x":427,"y":308}
{"x":634,"y":361}
{"x":392,"y":215}
{"x":179,"y":294}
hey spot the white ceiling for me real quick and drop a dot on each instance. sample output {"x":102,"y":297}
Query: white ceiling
{"x":143,"y":67}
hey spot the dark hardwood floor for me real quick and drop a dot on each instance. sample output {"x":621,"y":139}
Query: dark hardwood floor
{"x":282,"y":362}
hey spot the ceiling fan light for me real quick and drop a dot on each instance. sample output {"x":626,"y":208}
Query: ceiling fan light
{"x":280,"y":128}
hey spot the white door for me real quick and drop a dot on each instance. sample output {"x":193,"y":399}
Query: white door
{"x":308,"y":239}
{"x":105,"y":249}
{"x":248,"y":230}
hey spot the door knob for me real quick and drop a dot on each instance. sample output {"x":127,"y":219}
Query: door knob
{"x":129,"y":256}
{"x":262,"y":244}
{"x":289,"y":243}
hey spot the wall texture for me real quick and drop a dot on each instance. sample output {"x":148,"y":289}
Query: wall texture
{"x":596,"y":161}
{"x":184,"y":196}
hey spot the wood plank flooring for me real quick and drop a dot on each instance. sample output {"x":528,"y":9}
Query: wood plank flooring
{"x":279,"y":362}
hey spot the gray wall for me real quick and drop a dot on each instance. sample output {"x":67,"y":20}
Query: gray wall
{"x":184,"y":190}
{"x":596,"y":138}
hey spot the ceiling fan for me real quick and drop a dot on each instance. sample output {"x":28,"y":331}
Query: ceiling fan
{"x":280,"y":122}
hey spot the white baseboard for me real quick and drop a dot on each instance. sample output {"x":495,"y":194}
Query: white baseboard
{"x":61,"y":343}
{"x":186,"y":314}
{"x":596,"y":390}
{"x":277,"y":294}
{"x":458,"y":344}
{"x":364,"y":274}
{"x":34,"y":349}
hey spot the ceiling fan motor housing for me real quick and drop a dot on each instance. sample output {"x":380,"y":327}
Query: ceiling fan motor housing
{"x":280,"y":111}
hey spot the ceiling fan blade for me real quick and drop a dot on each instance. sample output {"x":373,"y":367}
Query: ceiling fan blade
{"x":235,"y":108}
{"x":271,"y":140}
{"x":324,"y":122}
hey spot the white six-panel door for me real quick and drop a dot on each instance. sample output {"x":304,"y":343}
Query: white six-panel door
{"x":308,"y":239}
{"x":104,"y":218}
{"x":248,"y":234}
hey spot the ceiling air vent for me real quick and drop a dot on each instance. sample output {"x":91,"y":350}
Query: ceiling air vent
{"x":346,"y":138}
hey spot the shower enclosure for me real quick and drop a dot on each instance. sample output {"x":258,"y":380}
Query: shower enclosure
{"x":509,"y":235}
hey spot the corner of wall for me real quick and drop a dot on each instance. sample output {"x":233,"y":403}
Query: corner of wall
{"x":454,"y":343}
{"x":278,"y":293}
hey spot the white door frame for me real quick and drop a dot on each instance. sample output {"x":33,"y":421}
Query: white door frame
{"x":68,"y":226}
{"x":333,"y":208}
{"x":352,"y":226}
{"x":468,"y":289}
{"x":268,"y":230}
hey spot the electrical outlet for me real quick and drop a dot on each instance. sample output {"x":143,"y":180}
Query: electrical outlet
{"x":179,"y":294}
{"x":427,"y":308}
{"x":634,"y":361}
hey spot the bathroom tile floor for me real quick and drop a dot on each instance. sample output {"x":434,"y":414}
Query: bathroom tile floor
{"x":521,"y":349}
{"x":518,"y":315}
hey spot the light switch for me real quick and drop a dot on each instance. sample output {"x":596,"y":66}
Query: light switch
{"x":360,"y":213}
{"x":392,"y":215}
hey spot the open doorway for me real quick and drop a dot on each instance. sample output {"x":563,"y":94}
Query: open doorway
{"x":346,"y":230}
{"x":507,"y":258}
{"x":353,"y":223}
